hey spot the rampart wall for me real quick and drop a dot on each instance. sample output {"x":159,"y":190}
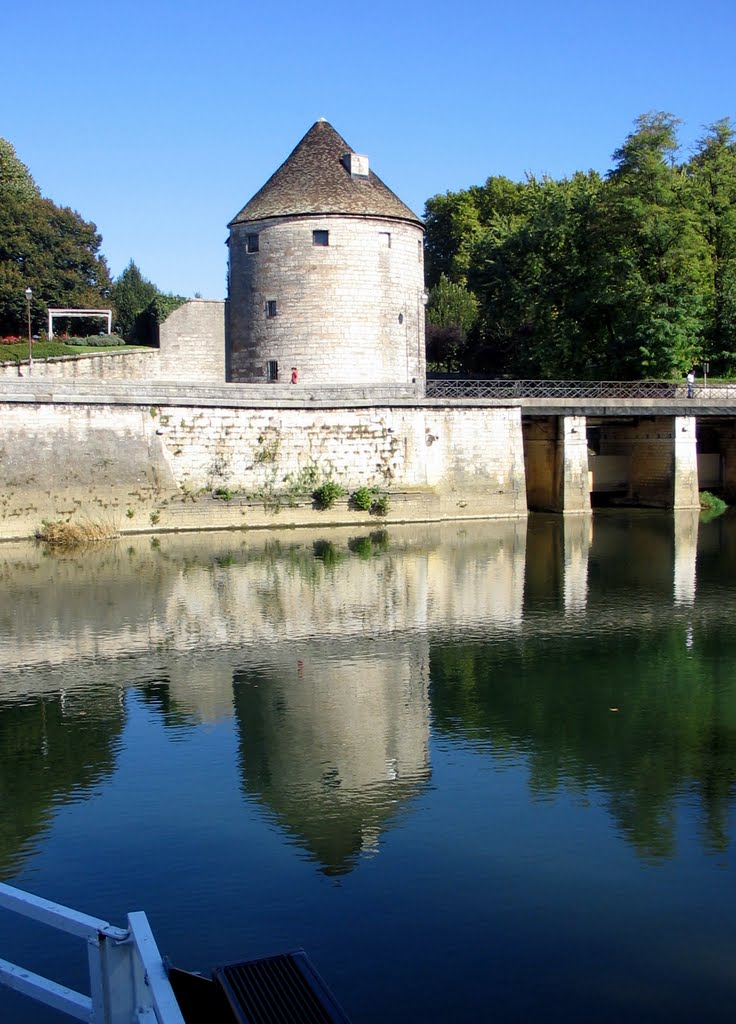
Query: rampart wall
{"x":181,"y":466}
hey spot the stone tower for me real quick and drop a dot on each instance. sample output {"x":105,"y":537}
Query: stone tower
{"x":326,"y":275}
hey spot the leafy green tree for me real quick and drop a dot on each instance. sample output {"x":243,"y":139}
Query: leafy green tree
{"x":628,"y":276}
{"x":132,"y":293}
{"x":452,"y":228}
{"x":15,"y":178}
{"x":660,"y":258}
{"x":452,"y":311}
{"x":537,"y":285}
{"x":712,"y":173}
{"x":451,"y":303}
{"x":44,"y":246}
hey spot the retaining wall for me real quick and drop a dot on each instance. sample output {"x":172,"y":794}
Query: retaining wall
{"x":142,"y":465}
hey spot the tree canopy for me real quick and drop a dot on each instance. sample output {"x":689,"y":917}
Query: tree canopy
{"x":132,"y":294}
{"x":48,"y":248}
{"x":623,"y":276}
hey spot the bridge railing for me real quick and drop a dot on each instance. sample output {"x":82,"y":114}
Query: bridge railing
{"x":506,"y":389}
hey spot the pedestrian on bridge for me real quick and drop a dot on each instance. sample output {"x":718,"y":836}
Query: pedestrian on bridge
{"x":691,"y":384}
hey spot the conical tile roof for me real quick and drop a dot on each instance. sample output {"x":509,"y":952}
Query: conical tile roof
{"x":314,"y":180}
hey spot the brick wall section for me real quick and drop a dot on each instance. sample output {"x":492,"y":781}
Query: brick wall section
{"x":122,"y":460}
{"x":116,"y":366}
{"x":472,"y":454}
{"x":350,"y":312}
{"x":192,"y":343}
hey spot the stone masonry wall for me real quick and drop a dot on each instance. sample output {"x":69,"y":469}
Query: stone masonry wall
{"x":350,"y":312}
{"x":138,"y":364}
{"x":131,"y":463}
{"x":192,"y":343}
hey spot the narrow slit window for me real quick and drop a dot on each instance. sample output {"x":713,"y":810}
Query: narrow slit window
{"x":320,"y":238}
{"x":272,"y":370}
{"x":251,"y":243}
{"x":271,"y":308}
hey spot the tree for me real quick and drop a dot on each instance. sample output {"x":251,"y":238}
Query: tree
{"x":452,"y":311}
{"x":132,"y":294}
{"x":44,"y":246}
{"x":537,"y":285}
{"x":452,"y":227}
{"x":712,"y":173}
{"x":15,"y":178}
{"x":660,"y":259}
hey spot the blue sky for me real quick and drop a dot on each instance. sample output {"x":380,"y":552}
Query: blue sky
{"x":159,"y":120}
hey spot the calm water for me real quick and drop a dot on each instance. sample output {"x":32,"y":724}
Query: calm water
{"x":479,"y":771}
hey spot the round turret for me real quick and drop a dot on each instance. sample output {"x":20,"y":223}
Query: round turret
{"x":326,"y":275}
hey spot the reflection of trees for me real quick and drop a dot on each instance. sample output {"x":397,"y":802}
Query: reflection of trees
{"x":51,"y":748}
{"x":550,"y":703}
{"x":334,"y":752}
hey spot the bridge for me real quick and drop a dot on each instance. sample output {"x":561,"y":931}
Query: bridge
{"x":633,"y":442}
{"x":602,"y":397}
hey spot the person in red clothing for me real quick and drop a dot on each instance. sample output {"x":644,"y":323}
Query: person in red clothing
{"x":294,"y":375}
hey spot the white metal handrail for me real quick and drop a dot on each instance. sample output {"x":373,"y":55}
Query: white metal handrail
{"x":128,"y":979}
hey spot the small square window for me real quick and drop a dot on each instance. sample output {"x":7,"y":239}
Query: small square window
{"x":384,"y":238}
{"x":251,"y":243}
{"x":272,"y":370}
{"x":320,"y":238}
{"x":271,"y":308}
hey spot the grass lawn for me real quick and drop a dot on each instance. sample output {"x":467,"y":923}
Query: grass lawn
{"x":46,"y":349}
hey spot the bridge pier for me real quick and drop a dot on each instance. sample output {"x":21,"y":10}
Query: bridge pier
{"x":556,"y":464}
{"x":717,"y":444}
{"x":662,"y":459}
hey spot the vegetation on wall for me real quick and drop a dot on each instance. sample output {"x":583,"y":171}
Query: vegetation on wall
{"x":623,"y":276}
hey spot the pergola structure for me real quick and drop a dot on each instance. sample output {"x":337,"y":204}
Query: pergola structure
{"x":107,"y":313}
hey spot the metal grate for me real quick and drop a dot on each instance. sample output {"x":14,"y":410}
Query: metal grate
{"x":283,"y":989}
{"x":505,"y":389}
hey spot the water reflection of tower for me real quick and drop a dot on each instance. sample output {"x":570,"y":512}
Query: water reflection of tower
{"x":334,"y":741}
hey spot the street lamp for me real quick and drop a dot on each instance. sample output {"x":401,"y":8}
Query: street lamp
{"x":29,"y":296}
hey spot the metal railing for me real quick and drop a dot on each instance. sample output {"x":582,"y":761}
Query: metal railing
{"x":128,"y":979}
{"x":507,"y":389}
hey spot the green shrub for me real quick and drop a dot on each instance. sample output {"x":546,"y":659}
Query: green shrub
{"x":381,"y":505}
{"x":327,"y":494}
{"x":711,"y":506}
{"x":96,"y":340}
{"x":145,"y":330}
{"x":223,"y":493}
{"x":363,"y":498}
